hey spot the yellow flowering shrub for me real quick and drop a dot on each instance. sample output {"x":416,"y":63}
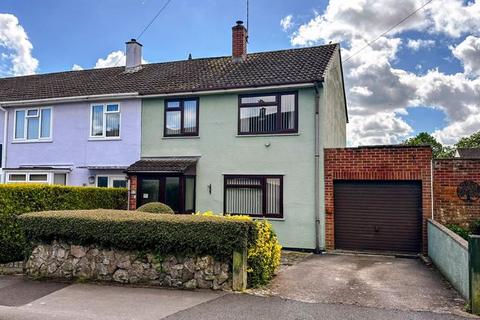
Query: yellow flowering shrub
{"x":264,"y":252}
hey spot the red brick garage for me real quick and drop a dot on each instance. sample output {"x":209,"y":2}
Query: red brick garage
{"x":378,"y":198}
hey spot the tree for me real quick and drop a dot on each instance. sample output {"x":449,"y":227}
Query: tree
{"x":424,"y":138}
{"x":469,"y":142}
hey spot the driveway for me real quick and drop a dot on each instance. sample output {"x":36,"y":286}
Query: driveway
{"x":368,"y":281}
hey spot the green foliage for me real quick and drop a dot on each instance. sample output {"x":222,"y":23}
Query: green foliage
{"x":475,"y":227}
{"x":21,"y":198}
{"x":438,"y":150}
{"x":472,"y":141}
{"x":156,"y":207}
{"x":263,"y":255}
{"x":133,"y":230}
{"x":462,"y":232}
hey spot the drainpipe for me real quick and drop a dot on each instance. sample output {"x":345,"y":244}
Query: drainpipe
{"x":4,"y":150}
{"x":431,"y":188}
{"x":317,"y":169}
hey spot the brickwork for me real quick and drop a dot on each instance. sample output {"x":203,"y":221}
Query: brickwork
{"x":239,"y":42}
{"x":448,"y":174}
{"x":132,"y":193}
{"x":377,"y":163}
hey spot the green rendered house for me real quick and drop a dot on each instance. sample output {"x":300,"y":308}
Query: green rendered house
{"x":245,"y":134}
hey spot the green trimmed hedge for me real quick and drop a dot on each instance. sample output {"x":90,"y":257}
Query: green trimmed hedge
{"x":156,"y":207}
{"x":21,"y":198}
{"x":133,"y":230}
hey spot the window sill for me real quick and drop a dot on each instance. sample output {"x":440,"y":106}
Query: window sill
{"x":267,"y":218}
{"x":32,"y":141}
{"x":181,"y":137}
{"x":105,"y":139}
{"x":267,"y":135}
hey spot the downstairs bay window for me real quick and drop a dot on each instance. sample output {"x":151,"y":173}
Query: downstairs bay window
{"x":254,"y":195}
{"x":58,"y":178}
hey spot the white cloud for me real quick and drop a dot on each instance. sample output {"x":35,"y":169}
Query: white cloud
{"x":17,"y":59}
{"x":468,"y":52}
{"x":457,"y":129}
{"x":113,"y":59}
{"x":378,"y":93}
{"x":77,"y":67}
{"x":417,"y":44}
{"x":453,"y":17}
{"x":287,"y":22}
{"x":379,"y":128}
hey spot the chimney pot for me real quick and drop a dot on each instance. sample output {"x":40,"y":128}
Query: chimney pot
{"x":133,"y":54}
{"x":239,"y":42}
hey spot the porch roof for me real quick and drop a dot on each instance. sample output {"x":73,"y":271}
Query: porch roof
{"x":164,"y":164}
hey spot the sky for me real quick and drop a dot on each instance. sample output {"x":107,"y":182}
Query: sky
{"x":423,"y":75}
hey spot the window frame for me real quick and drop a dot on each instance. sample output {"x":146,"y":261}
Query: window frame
{"x":180,"y":108}
{"x":104,"y":119}
{"x":25,"y":124}
{"x":263,"y":187}
{"x":277,"y":103}
{"x":49,"y":174}
{"x":182,"y":191}
{"x":111,"y":178}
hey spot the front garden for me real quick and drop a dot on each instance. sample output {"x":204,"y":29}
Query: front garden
{"x":83,"y":233}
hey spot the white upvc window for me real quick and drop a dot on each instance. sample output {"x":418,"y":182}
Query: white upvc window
{"x":33,"y":124}
{"x":105,"y":121}
{"x":58,"y":178}
{"x":110,"y":181}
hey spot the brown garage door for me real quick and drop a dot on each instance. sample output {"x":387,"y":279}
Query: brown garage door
{"x":378,"y":215}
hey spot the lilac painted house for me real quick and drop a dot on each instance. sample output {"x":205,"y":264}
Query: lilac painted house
{"x":72,"y":128}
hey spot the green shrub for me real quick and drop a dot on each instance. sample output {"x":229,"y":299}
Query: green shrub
{"x":462,"y":232}
{"x":475,"y":227}
{"x":133,"y":230}
{"x":156,"y":207}
{"x":21,"y":198}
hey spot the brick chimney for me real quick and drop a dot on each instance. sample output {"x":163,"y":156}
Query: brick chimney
{"x":134,"y":54}
{"x":239,"y":42}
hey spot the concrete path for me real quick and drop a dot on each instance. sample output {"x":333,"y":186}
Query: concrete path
{"x":369,"y":281}
{"x":90,"y":301}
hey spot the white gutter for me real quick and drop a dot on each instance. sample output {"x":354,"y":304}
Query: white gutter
{"x":248,"y":89}
{"x":4,"y":148}
{"x":114,"y":96}
{"x":136,"y":95}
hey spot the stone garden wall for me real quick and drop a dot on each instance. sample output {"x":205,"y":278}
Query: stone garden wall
{"x":62,"y":260}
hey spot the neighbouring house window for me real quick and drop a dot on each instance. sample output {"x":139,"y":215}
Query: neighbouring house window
{"x":33,"y":124}
{"x":60,"y":179}
{"x":105,"y":121}
{"x":106,"y":181}
{"x":268,"y":113}
{"x":254,"y":195}
{"x":181,"y":117}
{"x":37,"y":177}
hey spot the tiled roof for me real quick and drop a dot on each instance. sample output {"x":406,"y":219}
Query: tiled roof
{"x":471,"y":153}
{"x":167,"y":164}
{"x":271,"y":68}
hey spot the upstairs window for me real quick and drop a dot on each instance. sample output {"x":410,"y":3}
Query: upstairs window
{"x":181,"y":117}
{"x":260,"y":196}
{"x":105,"y":121}
{"x":268,"y":113}
{"x":33,"y":124}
